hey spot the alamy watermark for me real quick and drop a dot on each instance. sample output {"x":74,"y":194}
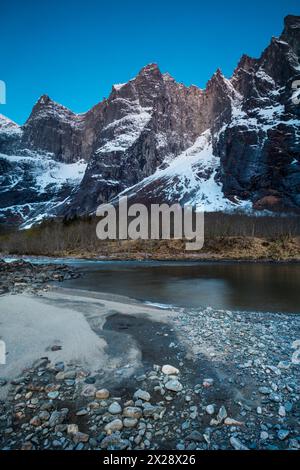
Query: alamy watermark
{"x":154,"y":222}
{"x":2,"y":352}
{"x":2,"y":92}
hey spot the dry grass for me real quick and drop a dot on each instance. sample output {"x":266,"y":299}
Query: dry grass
{"x":236,"y":237}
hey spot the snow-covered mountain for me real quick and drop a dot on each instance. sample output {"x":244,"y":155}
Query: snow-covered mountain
{"x":232,"y":146}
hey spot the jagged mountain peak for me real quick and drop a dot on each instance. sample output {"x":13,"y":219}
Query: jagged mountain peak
{"x":7,"y":122}
{"x":154,"y":126}
{"x":44,"y":100}
{"x":151,"y":68}
{"x":291,"y":32}
{"x":216,"y":78}
{"x":47,"y":106}
{"x":291,"y":22}
{"x":246,"y":64}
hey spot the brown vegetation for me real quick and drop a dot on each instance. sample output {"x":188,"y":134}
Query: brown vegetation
{"x":234,"y":237}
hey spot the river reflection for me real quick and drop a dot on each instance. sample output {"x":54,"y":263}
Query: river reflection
{"x":245,"y":286}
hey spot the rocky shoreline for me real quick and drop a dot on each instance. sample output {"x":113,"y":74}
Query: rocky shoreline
{"x":23,"y":276}
{"x":233,"y":383}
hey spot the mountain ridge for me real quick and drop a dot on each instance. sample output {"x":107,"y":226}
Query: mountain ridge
{"x":127,"y":142}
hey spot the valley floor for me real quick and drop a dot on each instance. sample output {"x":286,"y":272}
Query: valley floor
{"x":238,"y":248}
{"x":86,"y":373}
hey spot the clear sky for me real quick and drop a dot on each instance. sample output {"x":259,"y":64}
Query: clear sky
{"x":74,"y":51}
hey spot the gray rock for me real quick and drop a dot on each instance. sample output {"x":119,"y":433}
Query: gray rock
{"x":174,"y":386}
{"x":132,"y":412}
{"x":102,"y":394}
{"x":265,"y":390}
{"x":53,"y":395}
{"x":130,"y":422}
{"x":169,"y":370}
{"x":115,"y":425}
{"x":210,"y":409}
{"x":195,"y":436}
{"x":89,"y":391}
{"x":283,"y":434}
{"x":114,"y":442}
{"x":222,"y":414}
{"x":237,"y":444}
{"x":142,"y":395}
{"x":80,"y":437}
{"x":115,"y":408}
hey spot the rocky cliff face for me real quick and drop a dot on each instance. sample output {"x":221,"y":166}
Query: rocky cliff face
{"x":259,"y":149}
{"x":234,"y":145}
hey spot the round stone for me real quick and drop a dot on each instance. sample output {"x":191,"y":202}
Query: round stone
{"x":130,"y":422}
{"x":174,"y":386}
{"x":142,"y":395}
{"x":115,"y":408}
{"x":169,"y":370}
{"x":113,"y":426}
{"x":132,"y":412}
{"x":102,"y":394}
{"x":210,"y":409}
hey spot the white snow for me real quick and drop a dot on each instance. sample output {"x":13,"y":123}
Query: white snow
{"x":190,"y":177}
{"x":51,"y":109}
{"x":264,"y":76}
{"x":267,"y":118}
{"x":8,"y":127}
{"x":47,"y":171}
{"x":118,"y":86}
{"x":127,"y":129}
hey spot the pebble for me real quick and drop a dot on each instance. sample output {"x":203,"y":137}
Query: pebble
{"x":53,"y":395}
{"x":207,"y":383}
{"x":283,"y":434}
{"x":44,"y":415}
{"x":195,"y":436}
{"x":132,"y":412}
{"x":88,"y":391}
{"x":114,"y":441}
{"x":102,"y":394}
{"x":282,"y":411}
{"x":130,"y":422}
{"x":72,"y":429}
{"x":35,"y":421}
{"x":265,"y":390}
{"x":80,"y":437}
{"x":232,"y":422}
{"x":210,"y":409}
{"x":82,"y":412}
{"x":174,"y":386}
{"x":222,"y":414}
{"x":237,"y":444}
{"x":115,"y":425}
{"x":115,"y":408}
{"x":169,"y":370}
{"x":142,"y":395}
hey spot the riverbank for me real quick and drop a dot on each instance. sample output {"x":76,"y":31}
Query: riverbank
{"x":234,"y":249}
{"x":19,"y":275}
{"x":90,"y":375}
{"x":239,"y":249}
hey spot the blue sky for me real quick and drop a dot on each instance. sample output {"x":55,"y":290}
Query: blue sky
{"x":74,"y":51}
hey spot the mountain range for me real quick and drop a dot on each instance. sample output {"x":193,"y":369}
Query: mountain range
{"x":233,"y":146}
